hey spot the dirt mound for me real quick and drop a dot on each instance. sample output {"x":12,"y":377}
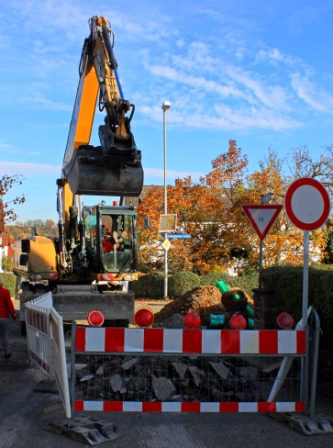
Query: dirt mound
{"x":204,"y":300}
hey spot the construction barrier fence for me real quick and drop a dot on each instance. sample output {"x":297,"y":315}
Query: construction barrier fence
{"x":46,"y":343}
{"x":38,"y":332}
{"x":173,"y":370}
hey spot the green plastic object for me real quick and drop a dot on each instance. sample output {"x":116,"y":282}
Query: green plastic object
{"x":250,"y":323}
{"x":250,"y":311}
{"x":222,"y":286}
{"x":216,"y":320}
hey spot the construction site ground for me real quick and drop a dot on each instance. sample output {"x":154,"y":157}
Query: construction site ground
{"x":24,"y":412}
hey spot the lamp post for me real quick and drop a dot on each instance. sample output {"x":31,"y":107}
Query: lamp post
{"x":165,"y":106}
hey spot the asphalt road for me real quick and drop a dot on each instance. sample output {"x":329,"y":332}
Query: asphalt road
{"x":24,"y":412}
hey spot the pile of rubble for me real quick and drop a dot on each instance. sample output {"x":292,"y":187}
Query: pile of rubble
{"x":170,"y":378}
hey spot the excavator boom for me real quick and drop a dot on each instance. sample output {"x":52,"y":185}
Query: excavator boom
{"x":113,"y":168}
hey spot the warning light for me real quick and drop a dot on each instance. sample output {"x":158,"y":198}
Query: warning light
{"x":238,"y":322}
{"x":95,"y":318}
{"x":115,"y":203}
{"x":192,"y":320}
{"x":285,"y":321}
{"x":144,"y":317}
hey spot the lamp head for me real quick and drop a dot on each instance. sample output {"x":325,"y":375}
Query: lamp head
{"x":166,"y":105}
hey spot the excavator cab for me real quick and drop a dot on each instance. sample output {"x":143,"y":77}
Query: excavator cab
{"x":110,"y":235}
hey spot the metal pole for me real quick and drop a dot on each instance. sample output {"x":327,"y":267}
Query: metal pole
{"x":165,"y":106}
{"x":305,"y":279}
{"x":165,"y":210}
{"x":260,"y":264}
{"x":305,"y":360}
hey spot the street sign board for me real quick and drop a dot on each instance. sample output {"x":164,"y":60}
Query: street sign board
{"x":262,"y":217}
{"x":168,"y":223}
{"x":307,"y":204}
{"x":179,"y":235}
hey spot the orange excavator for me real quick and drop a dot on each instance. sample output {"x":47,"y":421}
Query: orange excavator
{"x":82,"y":271}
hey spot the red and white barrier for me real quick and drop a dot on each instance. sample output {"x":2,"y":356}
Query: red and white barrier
{"x":157,"y":406}
{"x":59,"y":359}
{"x":46,"y":345}
{"x":38,"y":333}
{"x":225,"y":342}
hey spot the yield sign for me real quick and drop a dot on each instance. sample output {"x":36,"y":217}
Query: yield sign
{"x":262,"y":217}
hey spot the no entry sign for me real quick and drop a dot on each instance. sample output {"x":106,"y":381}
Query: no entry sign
{"x":307,"y":204}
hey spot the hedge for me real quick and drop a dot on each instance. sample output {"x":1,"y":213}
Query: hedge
{"x":152,"y":285}
{"x":288,"y":282}
{"x":181,"y":282}
{"x":10,"y":282}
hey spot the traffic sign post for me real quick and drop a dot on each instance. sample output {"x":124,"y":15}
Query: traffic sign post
{"x":262,"y":218}
{"x":307,"y":205}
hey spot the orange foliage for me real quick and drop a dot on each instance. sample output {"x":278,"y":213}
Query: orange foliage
{"x":211,"y":212}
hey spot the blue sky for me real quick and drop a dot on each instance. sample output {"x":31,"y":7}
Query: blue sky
{"x":257,"y":72}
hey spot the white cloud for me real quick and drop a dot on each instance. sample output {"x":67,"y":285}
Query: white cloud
{"x":45,"y":104}
{"x":174,"y":174}
{"x":29,"y":170}
{"x":271,"y":96}
{"x":315,"y":97}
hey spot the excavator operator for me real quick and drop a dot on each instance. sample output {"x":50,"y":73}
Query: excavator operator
{"x":111,"y":242}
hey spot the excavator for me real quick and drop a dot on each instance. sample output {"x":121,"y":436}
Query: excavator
{"x":88,"y":266}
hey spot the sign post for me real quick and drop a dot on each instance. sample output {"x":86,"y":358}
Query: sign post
{"x":307,"y":205}
{"x":262,"y":218}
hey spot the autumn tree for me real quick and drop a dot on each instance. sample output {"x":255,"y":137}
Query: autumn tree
{"x":204,"y":212}
{"x":211,"y":212}
{"x":6,"y":184}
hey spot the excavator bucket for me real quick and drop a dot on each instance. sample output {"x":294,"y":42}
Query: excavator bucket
{"x":94,"y":171}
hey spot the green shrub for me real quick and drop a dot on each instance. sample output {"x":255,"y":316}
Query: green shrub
{"x":149,"y":286}
{"x":213,"y":277}
{"x":182,"y":282}
{"x":288,"y":281}
{"x":10,"y":282}
{"x":7,"y":264}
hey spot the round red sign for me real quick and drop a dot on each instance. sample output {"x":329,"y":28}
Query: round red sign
{"x":307,"y":204}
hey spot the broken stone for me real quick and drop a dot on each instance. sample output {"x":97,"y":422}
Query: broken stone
{"x":220,"y":369}
{"x":123,"y":390}
{"x":249,"y":373}
{"x":86,"y":378}
{"x":217,"y":394}
{"x":176,"y":398}
{"x":163,"y":388}
{"x":100,"y":371}
{"x":116,"y":382}
{"x":174,"y":321}
{"x":127,"y":365}
{"x":180,"y":368}
{"x":195,"y":375}
{"x":80,"y":366}
{"x":196,"y":370}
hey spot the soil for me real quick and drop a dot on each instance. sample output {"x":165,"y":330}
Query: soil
{"x":204,"y":300}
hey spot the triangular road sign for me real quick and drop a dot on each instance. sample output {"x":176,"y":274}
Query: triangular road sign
{"x":262,"y":217}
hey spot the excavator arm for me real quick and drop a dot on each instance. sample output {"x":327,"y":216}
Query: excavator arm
{"x":113,"y":168}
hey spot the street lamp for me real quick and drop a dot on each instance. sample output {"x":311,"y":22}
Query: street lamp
{"x":165,"y":106}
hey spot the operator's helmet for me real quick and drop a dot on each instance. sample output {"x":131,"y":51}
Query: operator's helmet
{"x":105,"y":230}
